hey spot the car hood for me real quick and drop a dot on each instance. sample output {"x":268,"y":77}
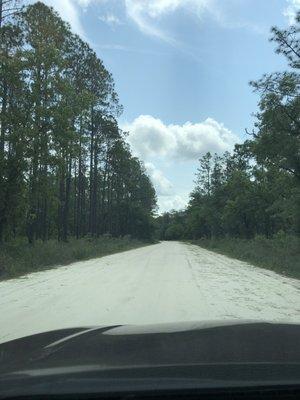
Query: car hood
{"x":126,"y":346}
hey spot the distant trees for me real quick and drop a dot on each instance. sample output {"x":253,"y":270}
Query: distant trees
{"x":256,"y":189}
{"x":171,"y":225}
{"x":65,"y":168}
{"x":247,"y":199}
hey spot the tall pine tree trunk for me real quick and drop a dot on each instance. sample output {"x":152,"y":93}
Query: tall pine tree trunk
{"x":67,"y":202}
{"x":2,"y":159}
{"x":91,"y":172}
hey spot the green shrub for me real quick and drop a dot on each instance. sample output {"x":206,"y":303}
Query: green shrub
{"x":19,"y":257}
{"x":280,"y":253}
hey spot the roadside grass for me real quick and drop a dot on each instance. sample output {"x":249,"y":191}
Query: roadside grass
{"x":281,"y":253}
{"x":18,"y":257}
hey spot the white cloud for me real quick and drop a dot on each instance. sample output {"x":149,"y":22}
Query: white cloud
{"x":110,"y":19}
{"x":149,"y":136}
{"x":142,"y":12}
{"x":158,"y":8}
{"x":162,"y":185}
{"x":152,"y":140}
{"x":291,"y":10}
{"x":174,"y":202}
{"x":145,"y":12}
{"x":167,"y":199}
{"x":84,"y":3}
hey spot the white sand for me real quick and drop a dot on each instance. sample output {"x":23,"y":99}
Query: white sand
{"x":166,"y":282}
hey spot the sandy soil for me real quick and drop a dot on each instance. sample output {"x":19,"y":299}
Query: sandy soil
{"x":166,"y":282}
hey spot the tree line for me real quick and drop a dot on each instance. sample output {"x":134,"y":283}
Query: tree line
{"x":65,"y":167}
{"x":255,"y":190}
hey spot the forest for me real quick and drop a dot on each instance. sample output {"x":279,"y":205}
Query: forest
{"x":66,"y":170}
{"x":253,"y":193}
{"x":67,"y":173}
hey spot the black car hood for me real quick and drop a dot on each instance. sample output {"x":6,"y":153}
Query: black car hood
{"x":153,"y":345}
{"x":248,"y":351}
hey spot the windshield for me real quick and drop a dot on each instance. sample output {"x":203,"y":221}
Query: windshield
{"x":149,"y":164}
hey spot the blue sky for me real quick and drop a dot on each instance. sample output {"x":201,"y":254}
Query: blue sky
{"x":181,"y":69}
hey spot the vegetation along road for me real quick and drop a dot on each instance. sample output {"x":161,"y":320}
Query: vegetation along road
{"x":165,"y":282}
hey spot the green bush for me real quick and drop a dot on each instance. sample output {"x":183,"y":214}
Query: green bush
{"x":19,"y":257}
{"x":281,"y":253}
{"x":174,"y":232}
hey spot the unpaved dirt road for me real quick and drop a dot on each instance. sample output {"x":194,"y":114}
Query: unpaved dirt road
{"x":165,"y":282}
